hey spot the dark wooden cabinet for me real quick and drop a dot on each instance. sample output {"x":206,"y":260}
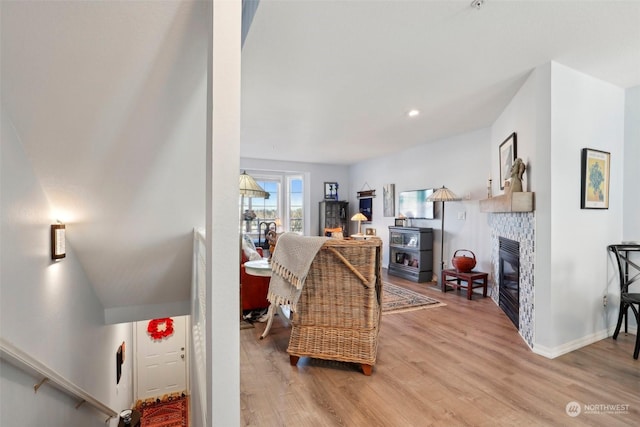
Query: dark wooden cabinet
{"x":411,"y":253}
{"x":334,"y":214}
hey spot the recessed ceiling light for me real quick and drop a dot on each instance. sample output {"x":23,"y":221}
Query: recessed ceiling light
{"x":477,"y":4}
{"x":413,"y":113}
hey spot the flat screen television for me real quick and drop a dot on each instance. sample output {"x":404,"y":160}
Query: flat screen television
{"x":413,"y":204}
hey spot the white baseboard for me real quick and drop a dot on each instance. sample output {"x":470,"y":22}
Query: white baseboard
{"x":553,"y":352}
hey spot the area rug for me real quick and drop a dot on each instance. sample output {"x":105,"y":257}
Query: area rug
{"x":171,"y":412}
{"x":396,"y":299}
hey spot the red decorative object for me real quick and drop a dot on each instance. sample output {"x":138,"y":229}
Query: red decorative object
{"x":462,"y":263}
{"x":157,"y":334}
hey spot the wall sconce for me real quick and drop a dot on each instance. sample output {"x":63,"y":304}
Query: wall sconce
{"x":58,"y":249}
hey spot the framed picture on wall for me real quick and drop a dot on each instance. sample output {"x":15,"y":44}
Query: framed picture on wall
{"x":389,"y":200}
{"x":507,"y":157}
{"x":594,"y":179}
{"x":366,"y":208}
{"x":331,"y":191}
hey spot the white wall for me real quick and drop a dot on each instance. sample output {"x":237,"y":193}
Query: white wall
{"x":49,"y":309}
{"x":631,"y":195}
{"x":585,"y":113}
{"x":315,"y":176}
{"x":631,"y":224}
{"x":460,"y":163}
{"x":556,"y":113}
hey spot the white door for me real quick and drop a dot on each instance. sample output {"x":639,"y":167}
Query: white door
{"x":161,"y":363}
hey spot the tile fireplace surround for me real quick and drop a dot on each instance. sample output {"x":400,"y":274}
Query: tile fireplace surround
{"x":521,"y":228}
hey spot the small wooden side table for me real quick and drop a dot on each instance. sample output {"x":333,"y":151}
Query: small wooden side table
{"x":473,"y":279}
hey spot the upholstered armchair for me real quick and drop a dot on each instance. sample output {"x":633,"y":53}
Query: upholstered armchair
{"x":338,"y":313}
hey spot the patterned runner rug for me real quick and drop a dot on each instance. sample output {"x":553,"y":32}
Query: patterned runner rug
{"x":173,"y":412}
{"x":396,"y":299}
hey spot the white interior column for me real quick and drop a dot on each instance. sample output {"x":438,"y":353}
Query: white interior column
{"x":223,"y":163}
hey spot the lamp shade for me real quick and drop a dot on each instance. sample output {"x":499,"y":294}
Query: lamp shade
{"x":359,"y":217}
{"x":442,"y":195}
{"x":250,"y":188}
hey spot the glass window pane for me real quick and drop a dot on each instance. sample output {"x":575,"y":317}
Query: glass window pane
{"x":285,"y":203}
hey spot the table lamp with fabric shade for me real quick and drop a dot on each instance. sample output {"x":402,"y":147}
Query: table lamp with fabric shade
{"x":442,"y":195}
{"x":359,"y":217}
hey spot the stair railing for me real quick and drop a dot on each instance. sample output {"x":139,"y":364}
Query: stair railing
{"x":18,"y":358}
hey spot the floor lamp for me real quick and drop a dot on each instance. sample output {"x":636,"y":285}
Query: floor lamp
{"x":442,"y":195}
{"x":248,"y":188}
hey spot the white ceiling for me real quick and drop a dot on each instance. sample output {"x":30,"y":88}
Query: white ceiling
{"x":108,"y":100}
{"x":332,"y":81}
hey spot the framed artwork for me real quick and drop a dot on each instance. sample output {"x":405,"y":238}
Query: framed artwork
{"x":370,"y":231}
{"x":331,"y":191}
{"x":507,"y":157}
{"x":366,"y":208}
{"x":594,"y":179}
{"x":389,"y":200}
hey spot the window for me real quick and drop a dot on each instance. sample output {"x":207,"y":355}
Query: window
{"x":282,"y":210}
{"x":296,"y":204}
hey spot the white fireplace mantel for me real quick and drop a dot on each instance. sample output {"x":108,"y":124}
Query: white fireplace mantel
{"x":509,"y":202}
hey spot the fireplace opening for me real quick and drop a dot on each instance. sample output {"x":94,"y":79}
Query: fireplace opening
{"x":509,"y":279}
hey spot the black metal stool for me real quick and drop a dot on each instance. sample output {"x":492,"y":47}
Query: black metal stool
{"x":628,"y":300}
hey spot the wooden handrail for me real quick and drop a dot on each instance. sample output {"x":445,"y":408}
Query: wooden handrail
{"x":46,"y":375}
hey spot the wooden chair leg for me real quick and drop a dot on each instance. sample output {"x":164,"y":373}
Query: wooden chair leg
{"x":293,"y":360}
{"x":367,"y":369}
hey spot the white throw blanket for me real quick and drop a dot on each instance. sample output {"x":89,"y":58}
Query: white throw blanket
{"x":290,"y":265}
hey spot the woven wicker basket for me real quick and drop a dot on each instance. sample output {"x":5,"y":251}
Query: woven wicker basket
{"x":339,"y":310}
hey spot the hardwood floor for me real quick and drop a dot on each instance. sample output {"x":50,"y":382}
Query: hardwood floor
{"x":463,"y":364}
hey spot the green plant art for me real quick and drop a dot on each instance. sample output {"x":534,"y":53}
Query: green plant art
{"x":596,"y":178}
